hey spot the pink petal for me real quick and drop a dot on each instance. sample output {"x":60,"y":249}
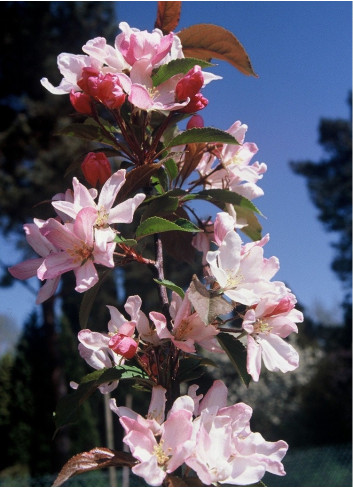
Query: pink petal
{"x":26,"y":269}
{"x":110,"y":190}
{"x":86,"y":276}
{"x":56,"y":264}
{"x":253,"y":359}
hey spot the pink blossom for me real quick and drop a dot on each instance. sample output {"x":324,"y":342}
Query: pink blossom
{"x":188,"y":328}
{"x":100,"y":57}
{"x":70,"y":66}
{"x":159,"y":446}
{"x":224,"y":449}
{"x":28,"y":268}
{"x":235,"y":173}
{"x":135,"y":45}
{"x":267,"y":324}
{"x":243,"y":277}
{"x":95,"y":348}
{"x":107,"y":213}
{"x":77,"y":250}
{"x":96,"y":168}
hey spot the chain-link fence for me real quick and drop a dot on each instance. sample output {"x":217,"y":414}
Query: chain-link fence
{"x":324,"y":466}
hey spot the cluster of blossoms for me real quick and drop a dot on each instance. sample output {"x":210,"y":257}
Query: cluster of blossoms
{"x":110,"y":75}
{"x":216,"y":441}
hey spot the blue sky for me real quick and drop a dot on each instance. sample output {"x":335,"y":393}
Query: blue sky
{"x":302,"y":54}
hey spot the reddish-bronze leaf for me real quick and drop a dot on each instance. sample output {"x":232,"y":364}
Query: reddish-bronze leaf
{"x":136,"y":179}
{"x":207,"y":41}
{"x":193,"y":155}
{"x":168,"y":16}
{"x":97,"y":458}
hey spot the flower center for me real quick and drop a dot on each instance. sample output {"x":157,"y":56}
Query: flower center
{"x":262,"y":327}
{"x":161,"y":456}
{"x":102,"y":218}
{"x":81,"y":253}
{"x":183,"y":330}
{"x":233,"y":280}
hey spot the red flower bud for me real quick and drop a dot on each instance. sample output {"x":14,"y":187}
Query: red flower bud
{"x":198,"y":102}
{"x":89,"y":80}
{"x":123,"y":345}
{"x":81,"y":102}
{"x":195,"y":121}
{"x":190,"y":84}
{"x":96,"y":168}
{"x":110,"y":92}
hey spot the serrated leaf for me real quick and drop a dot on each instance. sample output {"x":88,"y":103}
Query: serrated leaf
{"x":97,"y":458}
{"x":172,"y":286}
{"x":155,"y":225}
{"x":175,"y":67}
{"x":202,"y":135}
{"x":207,"y":306}
{"x":208,"y":41}
{"x":168,"y":15}
{"x":67,"y":408}
{"x":237,"y":354}
{"x":229,"y":197}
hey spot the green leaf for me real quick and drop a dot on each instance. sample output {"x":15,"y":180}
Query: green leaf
{"x":160,"y":181}
{"x":67,"y":408}
{"x":236,"y":352}
{"x":160,"y":205}
{"x":172,"y":168}
{"x":128,"y":242}
{"x":172,"y":286}
{"x":175,"y":67}
{"x":155,"y":225}
{"x":227,"y":196}
{"x":202,"y":135}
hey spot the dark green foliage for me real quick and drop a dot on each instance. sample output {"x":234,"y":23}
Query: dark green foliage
{"x":330,"y":186}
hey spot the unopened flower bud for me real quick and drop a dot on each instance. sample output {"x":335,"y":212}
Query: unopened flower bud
{"x":197,"y":102}
{"x":190,"y":84}
{"x":110,"y":92}
{"x":96,"y":168}
{"x":195,"y":121}
{"x":123,"y":345}
{"x":81,"y":102}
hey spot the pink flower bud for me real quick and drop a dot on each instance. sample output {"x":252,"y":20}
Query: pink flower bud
{"x":195,"y":121}
{"x":110,"y":92}
{"x":81,"y":102}
{"x":190,"y":84}
{"x":197,"y":102}
{"x":96,"y":168}
{"x":123,"y":345}
{"x":89,"y":81}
